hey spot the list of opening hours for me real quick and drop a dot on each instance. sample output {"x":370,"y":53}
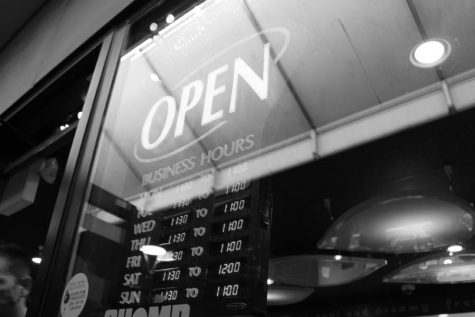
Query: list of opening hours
{"x":216,"y":244}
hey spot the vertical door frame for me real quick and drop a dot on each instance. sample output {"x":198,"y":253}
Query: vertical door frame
{"x":62,"y":233}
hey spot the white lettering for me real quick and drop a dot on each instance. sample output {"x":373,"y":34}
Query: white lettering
{"x":180,"y":310}
{"x":260,"y":86}
{"x":140,"y":312}
{"x":186,"y":105}
{"x":136,"y":244}
{"x":131,"y":279}
{"x":199,"y":232}
{"x":194,"y":271}
{"x":171,"y":109}
{"x":125,"y":312}
{"x":211,"y":92}
{"x":197,"y":251}
{"x":132,"y":297}
{"x":163,"y":173}
{"x":111,"y":313}
{"x":144,"y":227}
{"x":201,"y":213}
{"x":190,"y":97}
{"x":227,"y":150}
{"x":133,"y":261}
{"x":154,"y":311}
{"x":192,"y":292}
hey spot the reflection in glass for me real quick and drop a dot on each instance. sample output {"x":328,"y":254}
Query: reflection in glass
{"x":229,"y":92}
{"x":405,"y":223}
{"x":286,"y":295}
{"x":430,"y":53}
{"x":440,"y":269}
{"x":321,"y":270}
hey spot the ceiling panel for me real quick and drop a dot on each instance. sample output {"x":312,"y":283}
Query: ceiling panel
{"x":383,"y":34}
{"x":79,"y":21}
{"x":21,"y":59}
{"x":346,"y":56}
{"x":319,"y":62}
{"x":13,"y":14}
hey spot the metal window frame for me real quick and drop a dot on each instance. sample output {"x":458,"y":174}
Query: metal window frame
{"x":62,"y":232}
{"x":52,"y":274}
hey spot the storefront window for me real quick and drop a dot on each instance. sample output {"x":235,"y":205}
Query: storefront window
{"x":229,"y":120}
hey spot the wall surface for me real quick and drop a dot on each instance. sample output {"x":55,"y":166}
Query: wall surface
{"x":52,"y":35}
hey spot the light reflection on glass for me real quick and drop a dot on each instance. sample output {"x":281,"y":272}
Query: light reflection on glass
{"x":404,"y":223}
{"x":153,"y":250}
{"x":441,"y":269}
{"x":154,"y":77}
{"x":454,"y":248}
{"x":321,"y":270}
{"x":285,"y":295}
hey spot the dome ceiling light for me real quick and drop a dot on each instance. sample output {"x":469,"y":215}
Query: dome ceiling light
{"x":438,"y":269}
{"x":430,"y":53}
{"x":407,"y":222}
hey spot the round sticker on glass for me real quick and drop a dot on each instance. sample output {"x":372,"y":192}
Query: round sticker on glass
{"x":74,"y":296}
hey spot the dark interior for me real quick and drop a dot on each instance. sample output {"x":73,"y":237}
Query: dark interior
{"x":437,"y":157}
{"x":31,"y":131}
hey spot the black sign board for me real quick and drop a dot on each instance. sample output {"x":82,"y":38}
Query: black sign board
{"x":216,"y":243}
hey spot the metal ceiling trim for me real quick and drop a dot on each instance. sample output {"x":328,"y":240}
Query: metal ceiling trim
{"x":467,"y":75}
{"x":380,"y":107}
{"x":463,"y":94}
{"x":448,"y":96}
{"x":457,"y":90}
{"x":384,"y":122}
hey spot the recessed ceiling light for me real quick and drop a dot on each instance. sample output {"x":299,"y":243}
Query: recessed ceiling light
{"x":64,"y":127}
{"x":170,"y":18}
{"x":153,"y":250}
{"x":36,"y":260}
{"x":153,"y":27}
{"x":430,"y":53}
{"x":338,"y":257}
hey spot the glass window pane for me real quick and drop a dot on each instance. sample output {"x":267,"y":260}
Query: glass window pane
{"x":313,"y":118}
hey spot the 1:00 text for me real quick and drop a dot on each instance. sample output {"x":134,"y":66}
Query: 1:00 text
{"x":229,"y":290}
{"x":233,"y":225}
{"x":235,"y":206}
{"x":236,"y":187}
{"x":231,"y":246}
